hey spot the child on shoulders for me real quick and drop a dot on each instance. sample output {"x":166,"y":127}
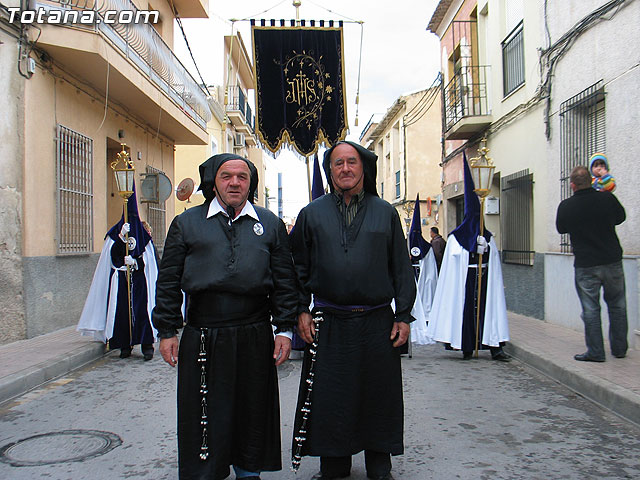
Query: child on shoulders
{"x":601,"y":179}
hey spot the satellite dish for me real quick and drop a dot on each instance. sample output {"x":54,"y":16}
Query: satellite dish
{"x":155,"y":188}
{"x":184,"y":189}
{"x":164,"y":187}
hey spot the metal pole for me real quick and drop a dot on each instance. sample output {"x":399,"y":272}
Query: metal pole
{"x":306,"y":160}
{"x":126,"y":246}
{"x":479,"y":298}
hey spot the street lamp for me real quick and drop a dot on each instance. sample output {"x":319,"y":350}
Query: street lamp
{"x":125,"y":178}
{"x":124,"y":174}
{"x":482,"y":170}
{"x":408,"y":210}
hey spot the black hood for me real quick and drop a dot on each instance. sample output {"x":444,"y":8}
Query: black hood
{"x":209,"y":169}
{"x":369,"y":160}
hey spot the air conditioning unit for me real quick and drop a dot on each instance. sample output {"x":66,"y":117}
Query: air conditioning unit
{"x":239,"y":140}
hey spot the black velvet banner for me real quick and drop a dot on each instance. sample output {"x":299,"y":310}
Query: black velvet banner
{"x":300,"y":95}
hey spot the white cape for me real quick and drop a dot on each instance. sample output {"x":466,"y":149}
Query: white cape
{"x":99,"y":310}
{"x":445,"y":319}
{"x":426,"y":287}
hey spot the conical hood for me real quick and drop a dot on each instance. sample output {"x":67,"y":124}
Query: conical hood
{"x":136,"y":230}
{"x":418,"y":246}
{"x":317,"y":187}
{"x":467,"y":232}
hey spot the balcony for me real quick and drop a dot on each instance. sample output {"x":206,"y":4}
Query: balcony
{"x":135,"y":63}
{"x":239,"y":111}
{"x":466,"y":109}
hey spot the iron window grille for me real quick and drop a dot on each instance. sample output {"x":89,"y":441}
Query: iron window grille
{"x":74,"y":205}
{"x":157,"y":217}
{"x":513,"y":60}
{"x":582,"y":133}
{"x":398,"y":184}
{"x":516,"y":200}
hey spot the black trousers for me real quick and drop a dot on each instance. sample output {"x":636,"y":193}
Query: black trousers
{"x":376,"y":463}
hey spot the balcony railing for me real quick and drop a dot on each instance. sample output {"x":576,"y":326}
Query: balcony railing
{"x":466,"y":95}
{"x":142,"y":44}
{"x":237,"y":102}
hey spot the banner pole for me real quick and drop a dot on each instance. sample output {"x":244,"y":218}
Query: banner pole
{"x":306,"y":160}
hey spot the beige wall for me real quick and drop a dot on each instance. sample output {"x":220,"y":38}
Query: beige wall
{"x":165,"y":29}
{"x":189,"y":158}
{"x":12,"y":317}
{"x":424,"y":153}
{"x":256,"y":156}
{"x":60,"y":102}
{"x":415,"y":151}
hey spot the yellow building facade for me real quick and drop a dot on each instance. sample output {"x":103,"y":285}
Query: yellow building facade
{"x":80,"y":91}
{"x":407,"y":142}
{"x":231,"y":128}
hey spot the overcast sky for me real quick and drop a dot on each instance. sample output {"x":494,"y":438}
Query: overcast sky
{"x":399,"y":56}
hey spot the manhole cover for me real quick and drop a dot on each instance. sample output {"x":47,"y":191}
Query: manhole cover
{"x":59,"y":447}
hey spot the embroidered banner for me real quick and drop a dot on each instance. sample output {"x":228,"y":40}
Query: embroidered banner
{"x":300,"y":97}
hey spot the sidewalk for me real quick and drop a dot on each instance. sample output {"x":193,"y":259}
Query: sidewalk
{"x":614,"y":384}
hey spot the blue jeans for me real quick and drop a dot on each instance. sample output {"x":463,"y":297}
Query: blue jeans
{"x":610,"y":278}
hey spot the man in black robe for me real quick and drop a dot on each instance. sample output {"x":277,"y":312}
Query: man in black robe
{"x":232,"y":259}
{"x":350,"y":253}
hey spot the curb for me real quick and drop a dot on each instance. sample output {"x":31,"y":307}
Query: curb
{"x":21,"y":382}
{"x":608,"y":395}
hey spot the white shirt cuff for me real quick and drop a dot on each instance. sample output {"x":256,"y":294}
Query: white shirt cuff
{"x":289,"y":335}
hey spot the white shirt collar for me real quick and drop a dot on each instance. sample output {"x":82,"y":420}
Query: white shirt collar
{"x":215,"y":208}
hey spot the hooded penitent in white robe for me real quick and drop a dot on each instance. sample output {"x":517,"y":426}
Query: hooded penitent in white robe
{"x":445,"y":318}
{"x":98,"y":315}
{"x":426,"y":287}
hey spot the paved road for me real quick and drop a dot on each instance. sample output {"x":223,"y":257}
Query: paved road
{"x":470,"y":420}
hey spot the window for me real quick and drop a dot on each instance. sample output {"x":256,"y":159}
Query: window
{"x":516,"y":199}
{"x":74,"y":165}
{"x":513,"y":60}
{"x":157,"y":218}
{"x":459,"y":210}
{"x":382,"y":190}
{"x":398,"y":184}
{"x":582,"y":133}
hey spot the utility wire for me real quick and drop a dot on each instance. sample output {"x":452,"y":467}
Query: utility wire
{"x":260,"y":13}
{"x":429,"y":96}
{"x":184,"y":35}
{"x":335,"y":13}
{"x":425,"y":103}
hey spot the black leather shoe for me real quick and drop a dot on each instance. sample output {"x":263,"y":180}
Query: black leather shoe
{"x":502,"y":357}
{"x":147,"y":352}
{"x":320,"y":476}
{"x":619,"y":355}
{"x":386,"y":476}
{"x":125,"y":352}
{"x":467,"y":355}
{"x":585,"y":357}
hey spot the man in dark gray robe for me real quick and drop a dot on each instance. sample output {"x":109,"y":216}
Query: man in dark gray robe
{"x":350,"y":253}
{"x":232,"y":259}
